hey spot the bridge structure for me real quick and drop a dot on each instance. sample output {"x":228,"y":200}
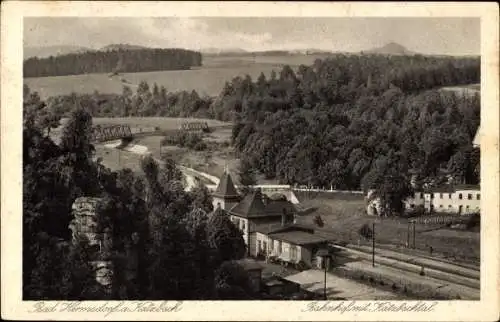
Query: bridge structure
{"x":194,"y":126}
{"x":111,"y":132}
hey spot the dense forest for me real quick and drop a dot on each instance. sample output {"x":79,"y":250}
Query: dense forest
{"x":175,"y":244}
{"x":112,"y":61}
{"x":356,"y":122}
{"x":145,"y":101}
{"x":351,"y":122}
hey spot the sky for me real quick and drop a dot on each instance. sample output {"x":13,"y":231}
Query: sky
{"x":451,"y":36}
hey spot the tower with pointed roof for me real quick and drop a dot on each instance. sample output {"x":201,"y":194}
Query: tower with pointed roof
{"x":225,"y":195}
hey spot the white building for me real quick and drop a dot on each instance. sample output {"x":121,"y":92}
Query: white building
{"x":459,"y":199}
{"x":268,"y":223}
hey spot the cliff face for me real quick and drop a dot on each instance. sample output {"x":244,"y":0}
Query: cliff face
{"x":85,"y":225}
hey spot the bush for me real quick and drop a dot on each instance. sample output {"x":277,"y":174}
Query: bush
{"x":366,"y":231}
{"x":301,"y":266}
{"x":200,"y":146}
{"x":415,"y":212}
{"x":319,"y":221}
{"x":473,"y":221}
{"x":185,"y":139}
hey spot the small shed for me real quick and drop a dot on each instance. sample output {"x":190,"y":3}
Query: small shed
{"x":254,"y":270}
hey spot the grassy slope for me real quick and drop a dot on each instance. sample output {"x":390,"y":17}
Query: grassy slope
{"x":343,"y":217}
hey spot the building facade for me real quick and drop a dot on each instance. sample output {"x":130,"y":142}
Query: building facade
{"x":267,"y":223}
{"x":457,"y":199}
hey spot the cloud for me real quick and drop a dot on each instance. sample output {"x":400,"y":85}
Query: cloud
{"x":443,"y":35}
{"x":189,"y":33}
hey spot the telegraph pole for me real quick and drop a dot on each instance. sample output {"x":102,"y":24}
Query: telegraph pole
{"x":324,"y":289}
{"x":408,"y":236}
{"x":373,"y":244}
{"x":414,"y":246}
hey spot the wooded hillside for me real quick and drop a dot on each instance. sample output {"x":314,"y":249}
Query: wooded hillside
{"x":124,"y":61}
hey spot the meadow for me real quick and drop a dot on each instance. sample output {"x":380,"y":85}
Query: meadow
{"x":206,"y":80}
{"x":344,"y":215}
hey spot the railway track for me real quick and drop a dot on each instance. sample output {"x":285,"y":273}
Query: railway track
{"x":394,"y":266}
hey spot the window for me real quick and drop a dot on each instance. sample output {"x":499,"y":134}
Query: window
{"x":421,"y":195}
{"x":460,"y":196}
{"x":432,"y":196}
{"x":259,"y":245}
{"x":449,"y":195}
{"x":440,"y":196}
{"x":243,"y":225}
{"x":478,"y":196}
{"x":412,"y":205}
{"x":293,"y":252}
{"x":280,"y":247}
{"x":469,"y":196}
{"x":449,"y":206}
{"x":440,"y":206}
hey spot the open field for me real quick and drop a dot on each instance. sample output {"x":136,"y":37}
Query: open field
{"x":206,"y":80}
{"x":343,"y":217}
{"x":469,"y":89}
{"x":164,"y":123}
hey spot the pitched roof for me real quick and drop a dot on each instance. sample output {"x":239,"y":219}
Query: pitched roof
{"x":279,"y":228}
{"x":452,"y":188}
{"x":226,"y":188}
{"x":250,"y":206}
{"x":249,"y":264}
{"x":276,"y":207}
{"x":299,"y":237}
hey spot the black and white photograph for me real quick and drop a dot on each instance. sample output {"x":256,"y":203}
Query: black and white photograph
{"x":224,"y":158}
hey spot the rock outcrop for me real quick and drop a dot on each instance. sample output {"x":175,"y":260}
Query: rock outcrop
{"x":85,"y":226}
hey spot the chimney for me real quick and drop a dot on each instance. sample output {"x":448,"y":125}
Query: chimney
{"x":265,"y":199}
{"x":258,"y":193}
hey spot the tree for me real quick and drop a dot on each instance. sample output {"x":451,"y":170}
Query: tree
{"x":319,"y":221}
{"x":202,"y":198}
{"x":225,"y":237}
{"x":365,"y":231}
{"x":233,"y":282}
{"x":247,"y":174}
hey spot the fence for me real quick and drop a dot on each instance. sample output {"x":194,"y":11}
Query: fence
{"x":323,"y":189}
{"x":443,"y":219}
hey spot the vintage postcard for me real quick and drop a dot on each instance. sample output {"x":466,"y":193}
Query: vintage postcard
{"x":232,"y":161}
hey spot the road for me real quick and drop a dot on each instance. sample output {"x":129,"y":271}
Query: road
{"x":339,"y":288}
{"x":189,"y":174}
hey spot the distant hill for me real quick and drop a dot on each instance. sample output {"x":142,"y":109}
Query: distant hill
{"x":391,"y":49}
{"x":47,"y":51}
{"x":122,"y":46}
{"x":223,"y":51}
